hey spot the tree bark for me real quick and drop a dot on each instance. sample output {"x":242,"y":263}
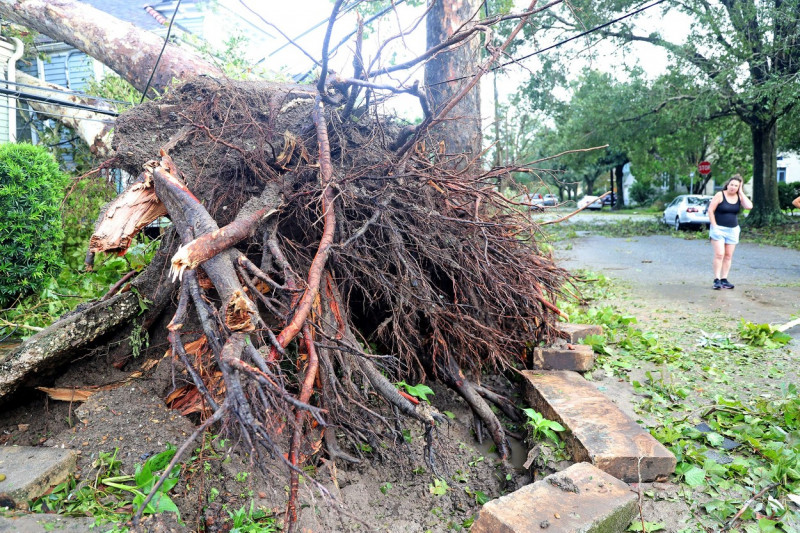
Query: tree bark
{"x":766,"y":208}
{"x":123,"y":47}
{"x":460,"y":133}
{"x":53,"y":345}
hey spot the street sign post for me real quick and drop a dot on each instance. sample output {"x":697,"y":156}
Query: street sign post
{"x":704,"y":167}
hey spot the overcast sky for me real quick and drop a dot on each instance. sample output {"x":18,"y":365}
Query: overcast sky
{"x":294,"y":17}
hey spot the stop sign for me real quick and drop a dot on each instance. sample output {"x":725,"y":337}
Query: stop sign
{"x":704,"y":167}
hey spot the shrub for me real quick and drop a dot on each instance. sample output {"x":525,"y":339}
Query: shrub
{"x":786,"y":193}
{"x":31,"y":190}
{"x":641,"y":193}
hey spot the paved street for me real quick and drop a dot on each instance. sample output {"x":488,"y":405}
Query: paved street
{"x":677,"y":273}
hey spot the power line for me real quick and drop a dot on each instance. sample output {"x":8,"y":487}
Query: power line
{"x":309,"y":30}
{"x":67,"y":92}
{"x":48,"y":113}
{"x":366,"y":22}
{"x":161,"y":53}
{"x":587,"y":32}
{"x":560,"y":43}
{"x":63,"y":103}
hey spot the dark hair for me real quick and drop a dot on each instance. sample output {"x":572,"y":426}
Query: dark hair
{"x":735,"y":177}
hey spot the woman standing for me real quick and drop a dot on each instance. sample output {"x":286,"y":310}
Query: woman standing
{"x":723,"y":216}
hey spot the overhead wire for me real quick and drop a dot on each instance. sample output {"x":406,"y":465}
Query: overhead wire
{"x":558,"y":44}
{"x":349,"y":35}
{"x":65,"y":91}
{"x":161,"y":53}
{"x":343,"y":12}
{"x":27,"y":96}
{"x":50,"y":114}
{"x":62,"y":103}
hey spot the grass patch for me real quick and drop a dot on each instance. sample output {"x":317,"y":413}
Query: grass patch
{"x":784,"y":235}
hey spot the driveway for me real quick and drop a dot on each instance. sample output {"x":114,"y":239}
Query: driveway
{"x":676,"y":274}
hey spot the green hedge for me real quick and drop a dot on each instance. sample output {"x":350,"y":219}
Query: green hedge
{"x":31,"y":191}
{"x":786,"y":193}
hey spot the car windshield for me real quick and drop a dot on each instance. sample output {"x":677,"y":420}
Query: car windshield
{"x":695,"y":200}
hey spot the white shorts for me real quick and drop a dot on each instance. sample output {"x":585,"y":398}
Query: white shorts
{"x":723,"y":233}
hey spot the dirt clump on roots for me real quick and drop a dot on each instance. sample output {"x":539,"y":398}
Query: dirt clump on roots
{"x":314,"y":274}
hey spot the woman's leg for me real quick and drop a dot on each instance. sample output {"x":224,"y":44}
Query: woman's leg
{"x":726,"y":260}
{"x":719,"y":256}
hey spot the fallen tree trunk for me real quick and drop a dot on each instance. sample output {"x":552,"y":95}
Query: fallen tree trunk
{"x":127,"y":50}
{"x":54,"y":345}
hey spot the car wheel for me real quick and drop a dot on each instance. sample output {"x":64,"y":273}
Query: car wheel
{"x":678,"y":226}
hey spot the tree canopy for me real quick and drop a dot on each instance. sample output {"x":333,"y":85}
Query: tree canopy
{"x":741,"y":56}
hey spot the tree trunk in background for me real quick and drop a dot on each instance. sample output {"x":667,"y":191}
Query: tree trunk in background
{"x":620,"y":199}
{"x":461,"y":131}
{"x":766,"y":208}
{"x":126,"y":49}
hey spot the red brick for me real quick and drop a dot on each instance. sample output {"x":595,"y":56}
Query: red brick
{"x":598,"y":431}
{"x":577,"y":332}
{"x":579,"y":499}
{"x":579,"y":358}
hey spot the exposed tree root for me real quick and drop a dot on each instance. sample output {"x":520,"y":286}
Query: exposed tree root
{"x":307,"y":250}
{"x":454,"y":378}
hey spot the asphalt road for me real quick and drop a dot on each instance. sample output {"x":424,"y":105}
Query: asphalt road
{"x":676,"y":274}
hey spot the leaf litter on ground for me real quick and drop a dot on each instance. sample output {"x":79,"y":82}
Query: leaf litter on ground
{"x":740,"y":391}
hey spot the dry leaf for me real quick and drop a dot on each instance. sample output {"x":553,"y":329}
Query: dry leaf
{"x":68,"y":394}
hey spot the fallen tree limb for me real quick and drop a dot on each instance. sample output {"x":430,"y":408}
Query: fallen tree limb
{"x":54,"y":345}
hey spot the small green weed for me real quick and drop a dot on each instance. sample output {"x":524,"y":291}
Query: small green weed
{"x":439,"y":487}
{"x":252,"y":520}
{"x":539,"y":427}
{"x":418,"y":391}
{"x":111,"y":497}
{"x":708,"y":400}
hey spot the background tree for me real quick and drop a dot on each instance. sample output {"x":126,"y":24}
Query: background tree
{"x":447,"y":72}
{"x":743,"y":52}
{"x":663,"y":131}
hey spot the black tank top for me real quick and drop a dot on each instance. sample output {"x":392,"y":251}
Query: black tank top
{"x":726,"y":212}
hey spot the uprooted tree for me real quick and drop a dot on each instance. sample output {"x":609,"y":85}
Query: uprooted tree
{"x":318,"y":255}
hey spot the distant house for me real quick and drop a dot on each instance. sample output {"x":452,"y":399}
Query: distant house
{"x":10,"y":52}
{"x":788,"y":167}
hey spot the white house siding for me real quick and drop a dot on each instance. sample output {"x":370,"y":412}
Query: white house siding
{"x":6,"y":103}
{"x":789,"y":167}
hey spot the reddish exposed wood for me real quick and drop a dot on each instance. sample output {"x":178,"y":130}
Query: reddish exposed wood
{"x":237,"y":314}
{"x":408,"y":397}
{"x":113,"y":290}
{"x":329,"y":217}
{"x":305,"y":395}
{"x":207,"y":246}
{"x":125,"y":217}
